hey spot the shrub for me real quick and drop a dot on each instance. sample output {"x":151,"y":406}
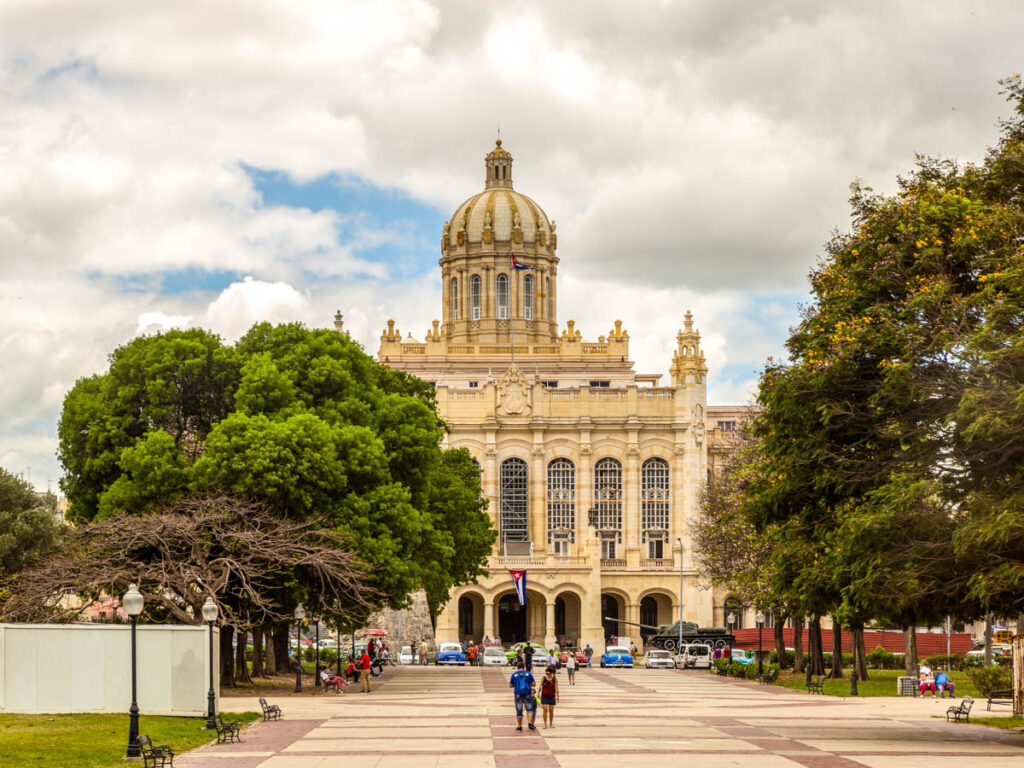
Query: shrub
{"x":879,"y":658}
{"x":948,"y":661}
{"x":988,"y":679}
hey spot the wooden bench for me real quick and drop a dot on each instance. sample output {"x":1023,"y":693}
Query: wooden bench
{"x":155,"y":756}
{"x":963,"y":709}
{"x":270,"y":711}
{"x":769,"y":677}
{"x":722,"y":671}
{"x":816,"y":685}
{"x":228,"y":731}
{"x":1002,"y":696}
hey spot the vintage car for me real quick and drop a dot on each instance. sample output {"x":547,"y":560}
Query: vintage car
{"x":658,"y":659}
{"x":450,"y":653}
{"x":581,"y":658}
{"x":405,"y":655}
{"x":493,"y":656}
{"x":616,"y":656}
{"x":540,"y":653}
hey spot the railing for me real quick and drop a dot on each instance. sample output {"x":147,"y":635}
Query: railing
{"x":414,"y":349}
{"x":505,"y":561}
{"x":548,"y":350}
{"x":595,"y":349}
{"x":461,"y":349}
{"x":658,"y":564}
{"x":616,"y":563}
{"x":607,"y":394}
{"x":651,"y":392}
{"x":568,"y":394}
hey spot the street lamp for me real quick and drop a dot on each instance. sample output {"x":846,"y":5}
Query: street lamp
{"x":209,"y":616}
{"x":300,"y":614}
{"x":316,"y":666}
{"x":730,"y":619}
{"x":759,"y":618}
{"x":680,"y":542}
{"x":133,"y":602}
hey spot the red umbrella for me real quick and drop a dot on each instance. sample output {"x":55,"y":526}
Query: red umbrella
{"x":376,"y":632}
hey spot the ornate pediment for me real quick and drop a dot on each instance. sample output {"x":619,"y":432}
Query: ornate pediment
{"x":515,"y":394}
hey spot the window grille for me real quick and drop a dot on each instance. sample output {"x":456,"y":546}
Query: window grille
{"x":528,"y":297}
{"x":561,"y":499}
{"x":502,"y":291}
{"x":654,"y":498}
{"x":455,"y":299}
{"x":514,"y":501}
{"x":608,"y":495}
{"x":474,"y":297}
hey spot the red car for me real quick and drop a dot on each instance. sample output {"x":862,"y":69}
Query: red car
{"x":581,"y":658}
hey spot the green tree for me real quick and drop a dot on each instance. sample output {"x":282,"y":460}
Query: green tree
{"x":29,"y":529}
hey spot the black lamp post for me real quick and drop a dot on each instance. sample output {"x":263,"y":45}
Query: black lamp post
{"x":300,"y":614}
{"x":133,"y":602}
{"x":316,"y":676}
{"x":759,"y":618}
{"x":730,"y":619}
{"x":210,"y":616}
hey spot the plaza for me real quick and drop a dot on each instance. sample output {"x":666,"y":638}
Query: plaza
{"x":463,"y":717}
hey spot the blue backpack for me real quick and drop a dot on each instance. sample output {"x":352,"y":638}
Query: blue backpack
{"x":521,"y":684}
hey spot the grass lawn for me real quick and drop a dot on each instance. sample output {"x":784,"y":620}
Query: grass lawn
{"x":92,"y":741}
{"x":1006,"y":723}
{"x":882,"y":682}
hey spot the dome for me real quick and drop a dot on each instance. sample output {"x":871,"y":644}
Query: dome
{"x":499,"y":214}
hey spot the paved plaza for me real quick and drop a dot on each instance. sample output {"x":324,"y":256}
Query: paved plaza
{"x":463,"y":718}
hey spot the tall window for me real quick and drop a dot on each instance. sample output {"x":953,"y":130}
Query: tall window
{"x":561,"y":500}
{"x":474,"y":297}
{"x":608,"y":495}
{"x":455,"y":299}
{"x":513,"y":501}
{"x":528,"y":297}
{"x":654,"y":503}
{"x":547,"y":298}
{"x":502,"y":291}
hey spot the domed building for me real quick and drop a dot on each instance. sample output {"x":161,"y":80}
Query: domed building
{"x":591,"y":469}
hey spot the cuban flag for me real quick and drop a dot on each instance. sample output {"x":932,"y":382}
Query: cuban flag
{"x":519,"y":580}
{"x":517,"y":265}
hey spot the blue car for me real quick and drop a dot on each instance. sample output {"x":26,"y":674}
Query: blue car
{"x":450,"y":653}
{"x":616,"y":656}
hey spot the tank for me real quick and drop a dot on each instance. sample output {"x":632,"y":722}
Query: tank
{"x":666,"y":636}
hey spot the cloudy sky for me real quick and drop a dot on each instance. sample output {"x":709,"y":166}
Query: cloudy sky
{"x":217,"y":163}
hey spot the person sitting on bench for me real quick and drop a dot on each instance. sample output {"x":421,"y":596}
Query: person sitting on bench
{"x":927,"y":682}
{"x":328,"y":677}
{"x":351,"y":673}
{"x":943,"y":683}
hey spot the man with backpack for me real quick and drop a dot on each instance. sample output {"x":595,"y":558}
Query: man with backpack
{"x":522,"y":684}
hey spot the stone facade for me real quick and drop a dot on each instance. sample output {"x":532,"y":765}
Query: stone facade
{"x":591,"y":469}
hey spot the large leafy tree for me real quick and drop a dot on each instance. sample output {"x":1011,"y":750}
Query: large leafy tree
{"x":28,"y":525}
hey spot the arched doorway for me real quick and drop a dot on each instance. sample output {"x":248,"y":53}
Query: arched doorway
{"x":568,"y":619}
{"x":611,"y":612}
{"x":511,"y":619}
{"x":471,"y":617}
{"x":648,"y":616}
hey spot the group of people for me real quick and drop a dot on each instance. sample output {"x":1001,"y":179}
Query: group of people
{"x":524,"y":689}
{"x":358,"y":669}
{"x":939,"y":682}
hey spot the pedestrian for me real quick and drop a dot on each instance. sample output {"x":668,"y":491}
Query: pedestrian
{"x":528,"y":655}
{"x":369,"y":647}
{"x":549,"y":697}
{"x":364,"y":672}
{"x":552,"y":658}
{"x":589,"y":653}
{"x":423,"y":653}
{"x":522,"y":684}
{"x":570,"y":667}
{"x":472,"y":655}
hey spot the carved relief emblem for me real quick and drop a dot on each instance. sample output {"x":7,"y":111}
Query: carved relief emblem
{"x":514,"y":393}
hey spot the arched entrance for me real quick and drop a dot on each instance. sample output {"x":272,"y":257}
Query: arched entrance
{"x":612,"y":610}
{"x":511,"y":619}
{"x":648,"y":616}
{"x":568,"y":619}
{"x":471,"y":617}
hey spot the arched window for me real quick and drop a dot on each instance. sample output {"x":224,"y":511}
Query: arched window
{"x":654,"y":506}
{"x":561,"y":500}
{"x":502,"y":291}
{"x":474,"y":297}
{"x":528,"y":297}
{"x":455,"y":299}
{"x":513,"y":502}
{"x":608,"y":495}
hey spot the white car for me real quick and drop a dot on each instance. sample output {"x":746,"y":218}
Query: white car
{"x":700,"y":655}
{"x":405,"y":655}
{"x":493,"y":656}
{"x":658,"y":659}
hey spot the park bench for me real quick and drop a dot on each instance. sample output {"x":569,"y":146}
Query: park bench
{"x":1002,"y":696}
{"x":963,"y":709}
{"x":769,"y":677}
{"x":270,"y":711}
{"x":816,"y":685}
{"x":228,"y":731}
{"x":722,"y":671}
{"x":155,"y":756}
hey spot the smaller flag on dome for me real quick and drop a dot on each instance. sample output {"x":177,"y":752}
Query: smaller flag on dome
{"x":517,"y":265}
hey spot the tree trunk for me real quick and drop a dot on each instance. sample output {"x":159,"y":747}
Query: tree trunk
{"x":281,"y":647}
{"x":988,"y":640}
{"x":859,"y":658}
{"x":241,"y":669}
{"x":257,"y":652}
{"x":269,"y":658}
{"x":816,"y":643}
{"x":1020,"y":624}
{"x":798,"y":644}
{"x":780,"y":642}
{"x":227,"y":657}
{"x":910,"y":662}
{"x":837,"y":650}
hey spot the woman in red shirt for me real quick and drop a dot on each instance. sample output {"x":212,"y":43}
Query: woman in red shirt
{"x":549,"y":697}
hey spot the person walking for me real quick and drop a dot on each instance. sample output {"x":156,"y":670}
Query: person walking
{"x":522,"y":684}
{"x":528,"y":656}
{"x":423,"y":653}
{"x":364,"y":672}
{"x":549,"y":696}
{"x":552,"y":658}
{"x":570,"y":666}
{"x":589,"y":653}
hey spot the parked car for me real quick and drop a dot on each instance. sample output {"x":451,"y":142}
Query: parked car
{"x":581,"y":658}
{"x":405,"y":655}
{"x":743,"y":657}
{"x":701,"y":655}
{"x":540,"y":653}
{"x":450,"y":653}
{"x":616,"y":656}
{"x":658,"y":659}
{"x":493,"y":656}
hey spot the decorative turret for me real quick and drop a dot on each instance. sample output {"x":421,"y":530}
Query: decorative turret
{"x":688,"y":359}
{"x":339,"y":322}
{"x":499,"y":167}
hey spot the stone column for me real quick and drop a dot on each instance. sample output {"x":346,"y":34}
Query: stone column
{"x":488,"y":289}
{"x":549,"y":625}
{"x":490,"y":626}
{"x":632,"y":614}
{"x":538,"y":505}
{"x":631,"y":496}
